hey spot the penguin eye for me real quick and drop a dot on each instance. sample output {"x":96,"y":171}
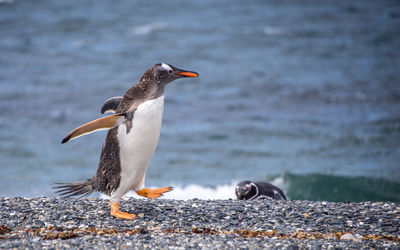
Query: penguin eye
{"x":170,"y":71}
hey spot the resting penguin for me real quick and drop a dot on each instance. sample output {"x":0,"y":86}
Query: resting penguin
{"x":247,"y":190}
{"x":133,"y":133}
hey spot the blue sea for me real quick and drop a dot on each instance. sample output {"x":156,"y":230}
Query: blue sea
{"x":303,"y":94}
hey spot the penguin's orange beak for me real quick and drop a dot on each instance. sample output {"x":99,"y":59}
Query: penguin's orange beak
{"x":186,"y":73}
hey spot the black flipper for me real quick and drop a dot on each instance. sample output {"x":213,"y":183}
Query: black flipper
{"x":102,"y":123}
{"x":279,"y":196}
{"x":111,"y":104}
{"x":270,"y":190}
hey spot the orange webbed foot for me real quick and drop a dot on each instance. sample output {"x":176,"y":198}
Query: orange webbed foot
{"x":119,"y":214}
{"x":154,"y":193}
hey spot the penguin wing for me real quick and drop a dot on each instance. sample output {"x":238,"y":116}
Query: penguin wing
{"x":272,"y":190}
{"x":98,"y":124}
{"x":279,"y":196}
{"x":111,"y":104}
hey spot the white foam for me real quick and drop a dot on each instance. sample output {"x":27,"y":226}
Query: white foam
{"x":280,"y":183}
{"x":149,"y":28}
{"x":191,"y":191}
{"x":225,"y":191}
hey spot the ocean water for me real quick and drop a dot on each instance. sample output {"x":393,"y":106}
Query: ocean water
{"x":303,"y":94}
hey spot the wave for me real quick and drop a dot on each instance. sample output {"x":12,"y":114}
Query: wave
{"x":315,"y":187}
{"x":320,"y":187}
{"x":192,"y":191}
{"x":7,"y":1}
{"x":149,"y":28}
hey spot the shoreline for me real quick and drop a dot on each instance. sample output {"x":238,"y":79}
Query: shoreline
{"x":86,"y":223}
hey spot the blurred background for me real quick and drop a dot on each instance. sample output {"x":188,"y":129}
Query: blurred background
{"x":303,"y":94}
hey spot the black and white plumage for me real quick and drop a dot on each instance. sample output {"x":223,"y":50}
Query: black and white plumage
{"x":247,"y":190}
{"x":133,"y":133}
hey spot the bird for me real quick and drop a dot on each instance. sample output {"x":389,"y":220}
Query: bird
{"x":132,"y":137}
{"x":248,"y":190}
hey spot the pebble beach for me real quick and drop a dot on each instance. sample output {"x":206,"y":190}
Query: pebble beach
{"x":207,"y":224}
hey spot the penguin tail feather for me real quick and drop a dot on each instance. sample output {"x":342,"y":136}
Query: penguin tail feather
{"x":82,"y":188}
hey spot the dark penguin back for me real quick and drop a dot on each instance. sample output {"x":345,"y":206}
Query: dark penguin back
{"x":269,"y":190}
{"x":108,"y":175}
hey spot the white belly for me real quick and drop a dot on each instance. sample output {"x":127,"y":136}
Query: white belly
{"x":138,"y":146}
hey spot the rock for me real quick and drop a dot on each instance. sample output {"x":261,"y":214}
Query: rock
{"x":348,"y":236}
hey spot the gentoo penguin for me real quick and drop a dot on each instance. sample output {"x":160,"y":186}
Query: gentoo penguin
{"x":133,"y":133}
{"x":247,"y":190}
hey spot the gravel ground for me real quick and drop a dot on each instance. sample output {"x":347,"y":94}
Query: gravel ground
{"x":86,"y":223}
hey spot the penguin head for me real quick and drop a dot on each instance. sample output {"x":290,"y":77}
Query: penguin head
{"x":245,"y":190}
{"x":165,"y":73}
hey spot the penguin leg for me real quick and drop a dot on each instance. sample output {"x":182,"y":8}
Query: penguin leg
{"x":153,"y":193}
{"x":119,"y":214}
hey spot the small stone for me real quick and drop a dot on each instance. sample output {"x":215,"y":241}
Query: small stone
{"x":348,"y":236}
{"x":36,"y":239}
{"x":87,"y":237}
